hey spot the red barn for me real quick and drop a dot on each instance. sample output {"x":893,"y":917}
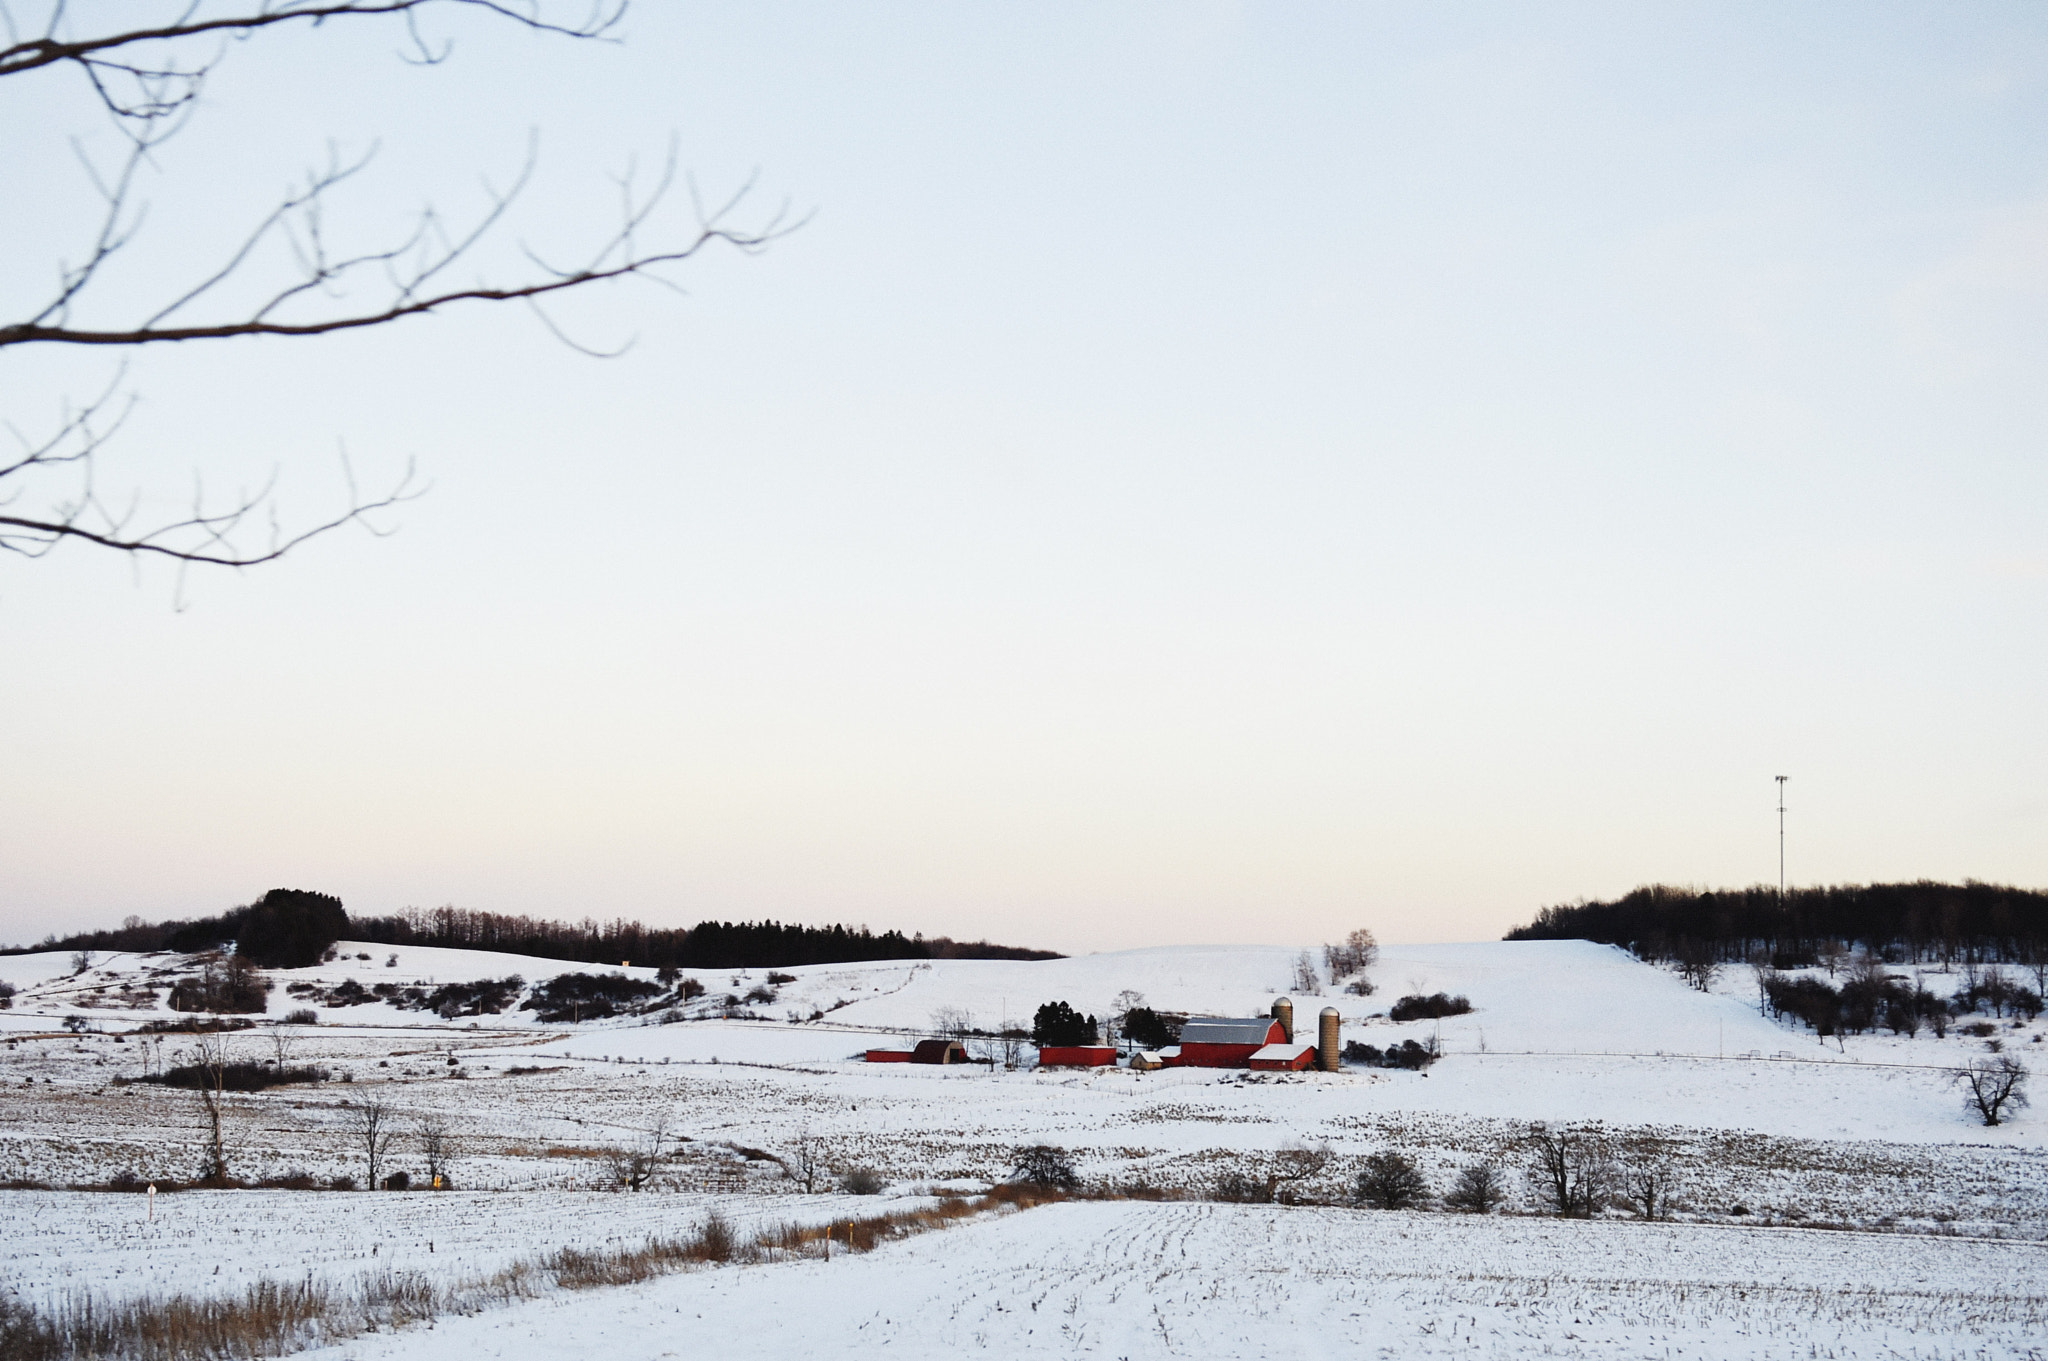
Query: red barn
{"x":927,"y":1051}
{"x":1283,"y":1058}
{"x":1076,"y":1056}
{"x":1227,"y":1042}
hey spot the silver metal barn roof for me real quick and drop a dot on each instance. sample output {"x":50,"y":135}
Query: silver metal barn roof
{"x":1226,"y":1030}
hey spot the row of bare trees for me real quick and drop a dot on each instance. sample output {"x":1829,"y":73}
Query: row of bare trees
{"x":375,"y":1126}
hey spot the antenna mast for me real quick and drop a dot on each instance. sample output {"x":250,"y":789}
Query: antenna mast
{"x":1781,"y":838}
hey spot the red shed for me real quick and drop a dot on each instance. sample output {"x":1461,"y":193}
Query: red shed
{"x":888,"y":1056}
{"x":1283,"y":1058}
{"x":1076,"y":1056}
{"x":939,"y":1051}
{"x":1227,"y":1042}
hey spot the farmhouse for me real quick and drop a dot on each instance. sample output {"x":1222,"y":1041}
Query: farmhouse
{"x":1227,"y":1042}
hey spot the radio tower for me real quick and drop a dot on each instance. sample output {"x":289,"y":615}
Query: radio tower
{"x":1781,"y":839}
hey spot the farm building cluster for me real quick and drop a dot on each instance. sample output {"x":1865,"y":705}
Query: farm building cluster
{"x":1258,"y":1043}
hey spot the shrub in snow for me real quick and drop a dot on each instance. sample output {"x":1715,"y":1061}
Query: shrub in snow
{"x":1239,"y":1189}
{"x":1392,"y":1181}
{"x":716,"y":1241}
{"x":860,"y":1181}
{"x":1416,"y":1007}
{"x":1478,"y":1190}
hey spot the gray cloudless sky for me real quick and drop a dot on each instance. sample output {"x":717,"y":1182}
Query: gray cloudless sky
{"x":1201,"y":472}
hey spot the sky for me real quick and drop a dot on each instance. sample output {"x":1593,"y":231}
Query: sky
{"x":1195,"y":473}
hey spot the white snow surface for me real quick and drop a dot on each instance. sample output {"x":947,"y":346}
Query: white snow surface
{"x":1756,"y":1121}
{"x":218,"y":1242}
{"x":1157,"y":1280}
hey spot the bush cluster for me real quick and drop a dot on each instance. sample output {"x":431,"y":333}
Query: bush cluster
{"x":483,"y":996}
{"x":230,"y":1077}
{"x":586,"y":996}
{"x":1870,"y":998}
{"x":223,"y":984}
{"x":1407,"y":1054}
{"x":1416,"y":1007}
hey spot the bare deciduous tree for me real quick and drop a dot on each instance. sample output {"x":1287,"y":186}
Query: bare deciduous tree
{"x":1993,"y":1088}
{"x":1834,"y":954}
{"x":634,"y":1164}
{"x":1357,"y":952}
{"x":1121,"y":1006}
{"x":1697,"y":963}
{"x":1294,"y":1164}
{"x":953,"y":1023}
{"x":1646,"y":1186}
{"x":1571,"y":1171}
{"x":282,"y":1040}
{"x":437,"y":1146}
{"x":1306,"y":979}
{"x":806,"y":1161}
{"x":374,"y":1124}
{"x":210,"y":1057}
{"x":282,"y":277}
{"x":1766,"y":975}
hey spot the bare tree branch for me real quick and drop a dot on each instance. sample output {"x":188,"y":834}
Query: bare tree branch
{"x":291,"y":279}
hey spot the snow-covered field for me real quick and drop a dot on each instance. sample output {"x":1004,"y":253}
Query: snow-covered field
{"x":1129,"y":1280}
{"x":218,"y":1242}
{"x":1761,"y":1127}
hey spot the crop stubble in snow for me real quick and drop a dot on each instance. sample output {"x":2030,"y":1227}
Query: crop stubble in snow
{"x":1132,"y":1279}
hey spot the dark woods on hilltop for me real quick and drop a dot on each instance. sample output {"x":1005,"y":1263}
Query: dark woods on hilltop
{"x":291,"y":928}
{"x":1904,"y":923}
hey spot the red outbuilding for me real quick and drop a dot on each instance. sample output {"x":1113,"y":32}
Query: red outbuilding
{"x":1283,"y":1058}
{"x":1227,"y":1042}
{"x":1076,"y":1056}
{"x":925,"y":1051}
